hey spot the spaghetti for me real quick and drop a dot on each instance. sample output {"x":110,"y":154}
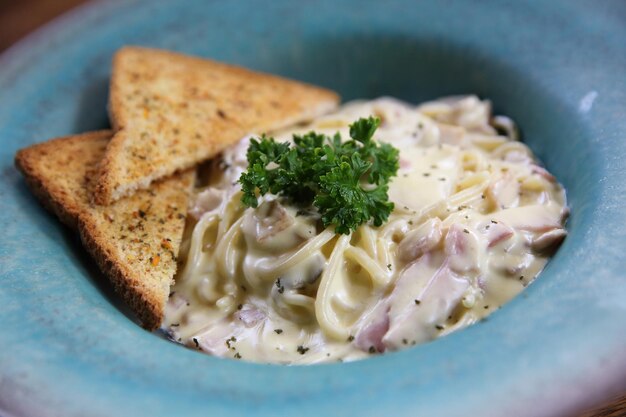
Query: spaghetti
{"x":475,"y":220}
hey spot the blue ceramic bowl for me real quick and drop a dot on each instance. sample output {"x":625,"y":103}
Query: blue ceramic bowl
{"x":558,"y":68}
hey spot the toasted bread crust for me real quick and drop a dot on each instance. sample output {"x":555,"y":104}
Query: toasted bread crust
{"x":171,"y":111}
{"x":43,"y":173}
{"x":148,"y":308}
{"x":134,"y":241}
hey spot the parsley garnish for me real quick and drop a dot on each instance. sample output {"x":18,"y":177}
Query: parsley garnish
{"x":346,"y":181}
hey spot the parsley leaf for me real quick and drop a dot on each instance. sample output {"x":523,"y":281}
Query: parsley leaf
{"x":346,"y":181}
{"x":261,"y":155}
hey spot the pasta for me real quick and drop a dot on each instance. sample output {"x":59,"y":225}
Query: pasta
{"x":475,"y":220}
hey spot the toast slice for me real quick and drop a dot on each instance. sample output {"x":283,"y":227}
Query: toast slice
{"x":171,"y":111}
{"x":134,"y":241}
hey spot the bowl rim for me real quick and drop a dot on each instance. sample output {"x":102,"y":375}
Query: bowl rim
{"x":87,"y":373}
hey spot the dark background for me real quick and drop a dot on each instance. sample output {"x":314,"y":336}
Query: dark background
{"x":19,"y":17}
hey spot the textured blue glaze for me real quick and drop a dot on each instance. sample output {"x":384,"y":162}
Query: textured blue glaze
{"x":69,"y":349}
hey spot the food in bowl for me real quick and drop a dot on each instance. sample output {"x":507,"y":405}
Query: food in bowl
{"x":126,"y":190}
{"x":284,"y":278}
{"x":368,"y":229}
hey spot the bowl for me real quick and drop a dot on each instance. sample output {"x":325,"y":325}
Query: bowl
{"x":557,"y":68}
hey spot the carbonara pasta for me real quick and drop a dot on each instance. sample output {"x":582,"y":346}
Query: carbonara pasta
{"x":475,"y":220}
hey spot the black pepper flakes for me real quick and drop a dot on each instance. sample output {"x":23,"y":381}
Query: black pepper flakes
{"x":281,"y":288}
{"x":229,"y":342}
{"x":439,"y":327}
{"x":195,"y":341}
{"x":350,"y":338}
{"x":278,"y":331}
{"x":302,"y":350}
{"x":417,"y":302}
{"x":372,"y":349}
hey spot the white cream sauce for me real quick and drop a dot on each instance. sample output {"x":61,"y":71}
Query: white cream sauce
{"x":475,"y":220}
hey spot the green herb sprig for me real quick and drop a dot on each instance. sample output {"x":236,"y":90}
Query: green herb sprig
{"x":346,"y":181}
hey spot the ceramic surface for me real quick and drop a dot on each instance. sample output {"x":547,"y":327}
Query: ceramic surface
{"x":67,"y":348}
